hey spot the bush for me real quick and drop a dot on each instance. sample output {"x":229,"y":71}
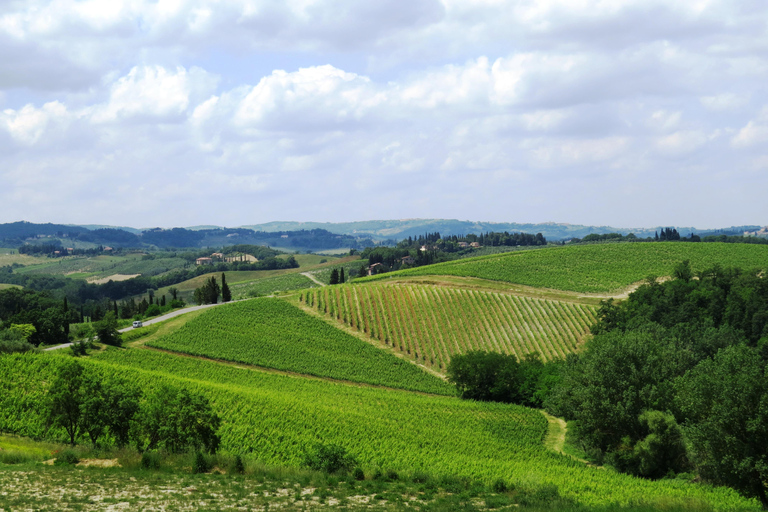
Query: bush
{"x":201,"y":463}
{"x":237,"y":467}
{"x":499,"y":486}
{"x":150,"y":460}
{"x":358,"y":474}
{"x":329,"y":458}
{"x":66,"y":457}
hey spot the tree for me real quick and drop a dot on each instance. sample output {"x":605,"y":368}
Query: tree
{"x":65,"y":398}
{"x":480,"y":375}
{"x":176,"y":419}
{"x":106,"y":330}
{"x":725,"y":401}
{"x":334,"y":277}
{"x":341,"y":275}
{"x":174,"y":292}
{"x":121,"y":402}
{"x":226,"y":295}
{"x":208,"y":293}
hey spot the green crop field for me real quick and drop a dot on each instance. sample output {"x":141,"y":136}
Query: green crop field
{"x":595,"y":268}
{"x":270,"y":285}
{"x":276,"y":417}
{"x":103,"y":266}
{"x":276,"y":334}
{"x":431,"y":323}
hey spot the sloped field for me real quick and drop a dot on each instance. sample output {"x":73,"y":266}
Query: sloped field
{"x":595,"y":268}
{"x":431,"y":323}
{"x":274,"y":418}
{"x":276,"y":334}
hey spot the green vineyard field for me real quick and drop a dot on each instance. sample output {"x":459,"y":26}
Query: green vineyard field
{"x":276,"y":334}
{"x":432,"y":323}
{"x":274,"y":418}
{"x":595,"y":268}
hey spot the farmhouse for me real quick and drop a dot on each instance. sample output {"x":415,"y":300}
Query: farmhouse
{"x":408,"y":260}
{"x":475,"y":244}
{"x":374,"y":268}
{"x":218,"y":255}
{"x":203,"y":261}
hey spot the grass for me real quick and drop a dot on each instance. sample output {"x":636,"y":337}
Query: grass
{"x":596,"y":268}
{"x":271,"y":285}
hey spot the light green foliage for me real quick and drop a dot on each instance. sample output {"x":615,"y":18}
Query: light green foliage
{"x":276,"y":334}
{"x":431,"y":323}
{"x":25,"y":330}
{"x":596,"y":268}
{"x":104,"y":266}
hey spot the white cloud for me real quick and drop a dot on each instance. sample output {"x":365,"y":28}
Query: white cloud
{"x":152,"y":92}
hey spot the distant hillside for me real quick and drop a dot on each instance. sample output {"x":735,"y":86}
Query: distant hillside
{"x":20,"y":233}
{"x":399,"y":229}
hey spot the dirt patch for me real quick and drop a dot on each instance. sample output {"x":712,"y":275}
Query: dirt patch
{"x":99,"y":463}
{"x":115,"y":277}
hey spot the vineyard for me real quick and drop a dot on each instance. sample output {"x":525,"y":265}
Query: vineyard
{"x":431,"y":323}
{"x":275,"y":417}
{"x":595,"y":268}
{"x":276,"y":334}
{"x":269,"y":285}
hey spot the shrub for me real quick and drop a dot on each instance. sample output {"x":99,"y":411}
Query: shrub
{"x":201,"y":463}
{"x":66,"y":457}
{"x":499,"y":486}
{"x":329,"y":458}
{"x":237,"y":467}
{"x":150,"y":460}
{"x":358,"y":473}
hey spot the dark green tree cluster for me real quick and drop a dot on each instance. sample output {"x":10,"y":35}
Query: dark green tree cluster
{"x":490,"y":376}
{"x":676,"y":379}
{"x":111,"y":411}
{"x":209,"y":292}
{"x":49,"y":316}
{"x":337,"y":276}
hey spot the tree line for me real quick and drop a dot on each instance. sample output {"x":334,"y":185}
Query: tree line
{"x":674,"y":380}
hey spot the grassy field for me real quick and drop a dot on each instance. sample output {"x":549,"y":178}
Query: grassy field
{"x":97,"y":267}
{"x":274,"y":418}
{"x":431,"y":323}
{"x":598,"y":268}
{"x":275,"y":334}
{"x":270,"y":285}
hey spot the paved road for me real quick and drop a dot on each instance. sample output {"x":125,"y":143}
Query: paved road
{"x":162,"y":318}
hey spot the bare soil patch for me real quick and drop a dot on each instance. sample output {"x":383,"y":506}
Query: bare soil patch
{"x":115,"y":277}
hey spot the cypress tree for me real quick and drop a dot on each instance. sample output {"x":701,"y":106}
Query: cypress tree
{"x":334,"y":276}
{"x":226,"y":295}
{"x":341,"y":275}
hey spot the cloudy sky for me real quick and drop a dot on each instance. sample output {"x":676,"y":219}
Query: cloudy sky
{"x":183,"y":112}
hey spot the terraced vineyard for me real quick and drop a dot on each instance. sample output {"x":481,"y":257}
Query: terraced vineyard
{"x":274,"y":418}
{"x":595,"y":268}
{"x":431,"y":323}
{"x":276,"y":334}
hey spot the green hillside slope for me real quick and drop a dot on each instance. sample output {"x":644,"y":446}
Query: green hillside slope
{"x":274,"y":418}
{"x":432,"y":323}
{"x":275,"y":334}
{"x":596,"y":268}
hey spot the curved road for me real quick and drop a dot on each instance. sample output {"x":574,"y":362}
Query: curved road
{"x":155,"y":320}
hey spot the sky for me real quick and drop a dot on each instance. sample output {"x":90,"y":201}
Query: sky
{"x":167,"y":113}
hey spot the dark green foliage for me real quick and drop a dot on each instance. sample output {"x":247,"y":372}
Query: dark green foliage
{"x":175,"y":419}
{"x":226,"y":294}
{"x":725,"y":403}
{"x":329,"y":458}
{"x":237,"y":467}
{"x":106,"y":330}
{"x":150,"y":460}
{"x":334,"y":276}
{"x":66,"y":457}
{"x":200,"y":464}
{"x":65,"y":398}
{"x":208,"y":293}
{"x":489,"y":376}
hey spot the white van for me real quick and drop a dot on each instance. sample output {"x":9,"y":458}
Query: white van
{"x":137,"y":323}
